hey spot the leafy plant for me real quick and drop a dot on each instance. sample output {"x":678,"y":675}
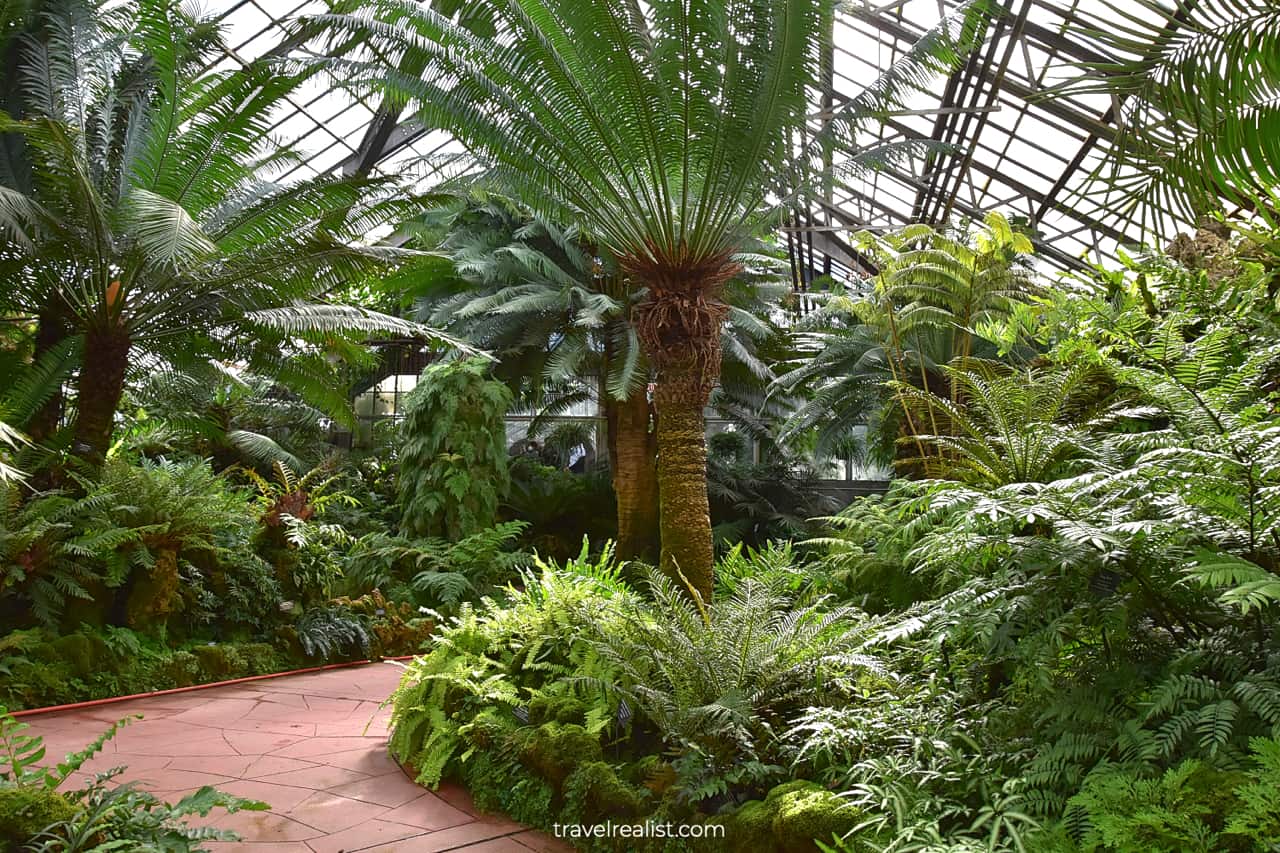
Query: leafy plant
{"x":497,"y":658}
{"x":718,"y":683}
{"x":437,"y":573}
{"x":330,"y":631}
{"x":453,"y":453}
{"x":937,"y":300}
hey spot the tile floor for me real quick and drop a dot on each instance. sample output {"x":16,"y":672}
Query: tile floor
{"x":313,"y":746}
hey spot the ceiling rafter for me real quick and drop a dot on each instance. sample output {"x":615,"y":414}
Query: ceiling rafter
{"x":1012,"y":146}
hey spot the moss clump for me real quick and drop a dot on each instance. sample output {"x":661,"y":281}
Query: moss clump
{"x":749,"y":829}
{"x":788,"y":820}
{"x":554,"y":750}
{"x":24,"y":812}
{"x":180,"y":669}
{"x":219,"y":662}
{"x":804,"y":811}
{"x":77,"y":652}
{"x":154,"y":592}
{"x":1213,"y":795}
{"x":261,"y":658}
{"x":556,"y":709}
{"x":594,"y":793}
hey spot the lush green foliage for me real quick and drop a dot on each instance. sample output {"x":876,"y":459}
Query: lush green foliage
{"x":580,"y":696}
{"x":163,"y":574}
{"x":436,"y":573}
{"x":144,"y":541}
{"x":453,"y":453}
{"x":1097,"y":552}
{"x":939,"y":296}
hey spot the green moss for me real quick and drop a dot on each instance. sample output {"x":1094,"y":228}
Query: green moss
{"x":594,"y":793}
{"x":180,"y":669}
{"x":554,"y":750}
{"x":219,"y":662}
{"x":76,"y":652}
{"x":155,"y":592}
{"x":261,"y":658}
{"x":807,"y":811}
{"x":556,"y":709}
{"x":788,"y":820}
{"x":749,"y":829}
{"x":1214,"y":794}
{"x":24,"y":812}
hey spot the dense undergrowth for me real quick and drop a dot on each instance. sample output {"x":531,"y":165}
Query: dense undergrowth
{"x":1060,"y":635}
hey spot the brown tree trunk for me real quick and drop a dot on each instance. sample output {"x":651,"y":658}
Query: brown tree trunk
{"x":98,"y":393}
{"x":632,"y":451}
{"x":688,"y":554}
{"x":680,"y":325}
{"x":50,"y":331}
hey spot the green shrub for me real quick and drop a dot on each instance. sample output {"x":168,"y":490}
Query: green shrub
{"x":453,"y":452}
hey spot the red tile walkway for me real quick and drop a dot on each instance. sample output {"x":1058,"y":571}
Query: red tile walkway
{"x":313,"y":746}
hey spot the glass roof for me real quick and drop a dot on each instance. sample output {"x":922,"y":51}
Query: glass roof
{"x":1011,"y":147}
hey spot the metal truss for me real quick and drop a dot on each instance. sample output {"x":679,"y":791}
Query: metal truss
{"x":1009,"y":146}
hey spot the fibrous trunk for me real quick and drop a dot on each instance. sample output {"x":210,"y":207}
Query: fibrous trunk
{"x":685,"y":514}
{"x":98,"y":393}
{"x":50,"y":332}
{"x":633,"y":449}
{"x":680,"y":325}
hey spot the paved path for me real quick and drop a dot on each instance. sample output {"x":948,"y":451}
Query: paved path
{"x":312,"y":745}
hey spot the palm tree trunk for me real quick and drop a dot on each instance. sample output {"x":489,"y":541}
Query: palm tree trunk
{"x":50,"y":331}
{"x":632,"y":451}
{"x":685,"y":514}
{"x":680,"y":324}
{"x":101,"y":385}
